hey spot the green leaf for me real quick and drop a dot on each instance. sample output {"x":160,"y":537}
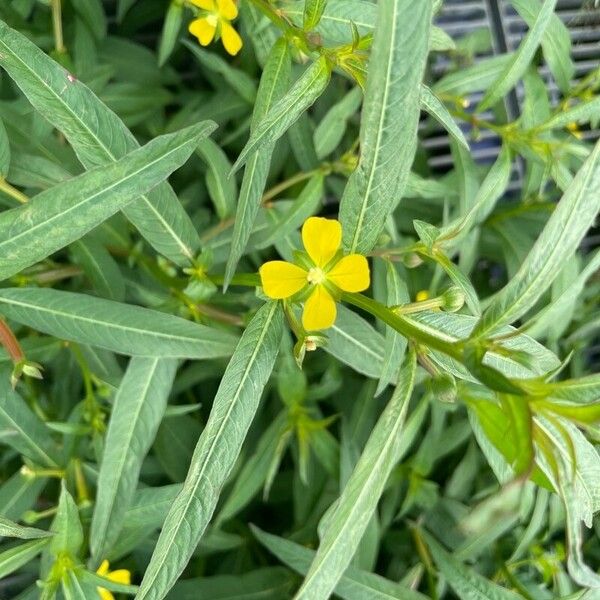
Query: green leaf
{"x":357,"y":344}
{"x":100,"y":267}
{"x":556,"y":42}
{"x":121,"y":328}
{"x":16,"y":557}
{"x":330,"y":131}
{"x":273,"y":83}
{"x":493,"y":187}
{"x":582,"y":390}
{"x":138,"y":409}
{"x":255,"y":470}
{"x":313,"y":11}
{"x":431,"y":104}
{"x":92,"y":14}
{"x":559,"y":239}
{"x":222,"y":189}
{"x":347,"y":523}
{"x":66,"y":526}
{"x":20,"y":493}
{"x":516,"y":68}
{"x":286,"y":111}
{"x":233,"y":409}
{"x":170,"y":31}
{"x":73,"y":588}
{"x":466,"y":583}
{"x":475,"y":78}
{"x":266,"y":583}
{"x":23,"y":430}
{"x":94,"y":580}
{"x":390,"y":117}
{"x":304,"y":206}
{"x":395,"y":344}
{"x":66,"y":212}
{"x":4,"y":151}
{"x":355,"y":584}
{"x":580,"y":113}
{"x":14,"y":530}
{"x":98,"y":137}
{"x":238,"y":80}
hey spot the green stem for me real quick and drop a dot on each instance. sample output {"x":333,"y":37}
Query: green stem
{"x":13,"y":192}
{"x":59,"y":43}
{"x":288,"y":183}
{"x":404,"y":326}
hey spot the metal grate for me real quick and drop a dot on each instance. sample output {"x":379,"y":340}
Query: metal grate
{"x":461,"y":18}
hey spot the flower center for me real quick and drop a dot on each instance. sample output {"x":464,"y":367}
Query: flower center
{"x":212,"y":19}
{"x":315,"y":276}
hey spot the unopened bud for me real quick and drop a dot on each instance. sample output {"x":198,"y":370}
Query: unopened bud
{"x":412,"y":260}
{"x":453,"y":299}
{"x":444,"y":388}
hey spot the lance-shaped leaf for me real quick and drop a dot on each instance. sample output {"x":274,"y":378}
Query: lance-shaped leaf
{"x":138,"y":409}
{"x":121,"y":328}
{"x":232,"y":412}
{"x":560,"y":237}
{"x":355,"y":584}
{"x":582,"y":112}
{"x":390,"y":116}
{"x":273,"y":83}
{"x":347,"y":523}
{"x":98,"y":137}
{"x":10,"y":529}
{"x":431,"y":104}
{"x":66,"y":212}
{"x":288,"y":109}
{"x":523,"y":56}
{"x":556,"y":42}
{"x":22,"y":429}
{"x":467,"y":583}
{"x":14,"y":558}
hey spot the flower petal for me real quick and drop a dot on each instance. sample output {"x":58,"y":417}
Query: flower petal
{"x":105,"y":594}
{"x":282,"y":279}
{"x":203,"y":29}
{"x":205,"y":4}
{"x":227,"y":9}
{"x":322,"y":239}
{"x":120,"y":576}
{"x":231,"y":38}
{"x":351,"y":273}
{"x":319,"y":310}
{"x":103,"y":568}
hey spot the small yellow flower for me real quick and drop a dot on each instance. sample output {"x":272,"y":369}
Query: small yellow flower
{"x":216,"y":22}
{"x":422,"y":296}
{"x":120,"y":576}
{"x":322,"y":277}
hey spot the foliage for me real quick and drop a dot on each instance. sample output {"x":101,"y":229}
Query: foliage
{"x":193,"y":406}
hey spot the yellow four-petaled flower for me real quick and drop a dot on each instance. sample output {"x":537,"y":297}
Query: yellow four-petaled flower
{"x":119,"y":576}
{"x":216,"y":22}
{"x":325,"y":274}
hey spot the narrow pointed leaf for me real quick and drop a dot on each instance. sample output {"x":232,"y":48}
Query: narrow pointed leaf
{"x":431,"y":104}
{"x":516,"y":68}
{"x":138,"y":409}
{"x":14,"y":558}
{"x":288,"y":109}
{"x":233,"y":409}
{"x":390,"y":117}
{"x":23,"y":430}
{"x":66,"y":212}
{"x":98,"y":137}
{"x":14,"y":530}
{"x":560,"y":237}
{"x":357,"y":504}
{"x":121,"y":328}
{"x":273,"y":83}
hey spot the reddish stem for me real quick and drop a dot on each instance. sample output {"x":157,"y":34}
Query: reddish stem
{"x":10,"y":342}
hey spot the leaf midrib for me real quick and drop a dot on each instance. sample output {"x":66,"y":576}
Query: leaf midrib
{"x":215,"y":439}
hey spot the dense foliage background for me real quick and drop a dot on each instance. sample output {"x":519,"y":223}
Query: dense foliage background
{"x":159,"y":411}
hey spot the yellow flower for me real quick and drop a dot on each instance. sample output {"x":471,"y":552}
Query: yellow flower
{"x":323,"y":274}
{"x":120,"y":576}
{"x":216,"y":22}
